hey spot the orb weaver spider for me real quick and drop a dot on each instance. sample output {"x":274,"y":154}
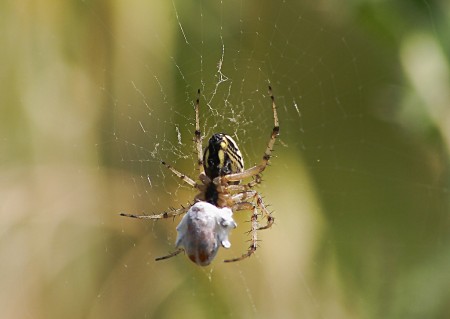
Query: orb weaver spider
{"x":206,"y":224}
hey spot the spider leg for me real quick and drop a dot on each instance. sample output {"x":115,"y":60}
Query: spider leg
{"x":275,"y":130}
{"x":242,"y":205}
{"x":171,"y":213}
{"x":257,"y":169}
{"x":254,"y":237}
{"x":183,"y":177}
{"x":172,"y":254}
{"x":244,"y":187}
{"x":198,"y":136}
{"x":265,"y":212}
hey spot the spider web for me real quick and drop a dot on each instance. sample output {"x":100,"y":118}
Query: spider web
{"x":339,"y":147}
{"x":232,"y":61}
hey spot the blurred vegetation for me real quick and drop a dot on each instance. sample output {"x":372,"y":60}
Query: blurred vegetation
{"x":90,"y":90}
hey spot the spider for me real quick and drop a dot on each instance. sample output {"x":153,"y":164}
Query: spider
{"x":208,"y":220}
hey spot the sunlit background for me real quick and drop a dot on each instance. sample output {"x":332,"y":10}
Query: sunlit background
{"x":94,"y":94}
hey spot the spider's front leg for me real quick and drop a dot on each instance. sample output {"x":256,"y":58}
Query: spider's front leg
{"x":256,"y":170}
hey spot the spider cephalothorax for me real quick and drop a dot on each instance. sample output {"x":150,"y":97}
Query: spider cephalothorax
{"x":204,"y":229}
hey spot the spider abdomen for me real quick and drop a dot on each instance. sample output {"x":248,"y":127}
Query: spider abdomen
{"x":222,"y":156}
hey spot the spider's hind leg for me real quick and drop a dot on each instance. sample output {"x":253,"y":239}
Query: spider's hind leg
{"x":265,"y":212}
{"x":182,"y":176}
{"x":171,"y":213}
{"x":240,"y":204}
{"x":172,"y":254}
{"x":254,"y":235}
{"x":246,"y":193}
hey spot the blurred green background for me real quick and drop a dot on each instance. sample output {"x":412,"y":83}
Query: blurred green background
{"x":95,"y":93}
